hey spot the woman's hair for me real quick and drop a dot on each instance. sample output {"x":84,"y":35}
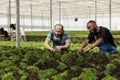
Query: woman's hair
{"x":12,"y":26}
{"x":1,"y":31}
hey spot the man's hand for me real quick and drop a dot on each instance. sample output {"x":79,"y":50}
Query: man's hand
{"x":79,"y":51}
{"x":58,"y":48}
{"x":87,"y":50}
{"x":52,"y":50}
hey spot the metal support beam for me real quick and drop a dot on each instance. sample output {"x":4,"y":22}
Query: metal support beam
{"x":23,"y":22}
{"x":31,"y":17}
{"x":42,"y":22}
{"x":96,"y":11}
{"x":59,"y":12}
{"x":89,"y":12}
{"x":51,"y":14}
{"x":9,"y":15}
{"x":110,"y":14}
{"x":17,"y":24}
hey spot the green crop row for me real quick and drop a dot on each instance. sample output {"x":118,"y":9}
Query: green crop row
{"x":72,"y":33}
{"x":37,"y":64}
{"x":40,"y":45}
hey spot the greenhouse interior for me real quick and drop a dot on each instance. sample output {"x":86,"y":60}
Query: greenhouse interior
{"x":59,"y":40}
{"x":37,"y":14}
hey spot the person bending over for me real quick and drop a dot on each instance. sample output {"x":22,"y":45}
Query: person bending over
{"x":61,"y":39}
{"x":100,"y":37}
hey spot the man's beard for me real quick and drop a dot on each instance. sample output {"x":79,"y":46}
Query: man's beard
{"x":57,"y":35}
{"x":95,"y":31}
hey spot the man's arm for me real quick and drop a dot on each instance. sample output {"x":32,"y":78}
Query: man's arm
{"x":84,"y":44}
{"x":97,"y":43}
{"x":66,"y":46}
{"x":47,"y":41}
{"x":46,"y":44}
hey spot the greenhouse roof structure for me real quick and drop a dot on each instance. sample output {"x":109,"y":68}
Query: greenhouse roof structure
{"x":70,"y":8}
{"x":61,"y":11}
{"x":43,"y":14}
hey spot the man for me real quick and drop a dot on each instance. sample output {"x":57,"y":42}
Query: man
{"x":60,"y":39}
{"x":101,"y":37}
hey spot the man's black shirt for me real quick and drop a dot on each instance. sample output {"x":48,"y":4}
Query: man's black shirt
{"x":104,"y":33}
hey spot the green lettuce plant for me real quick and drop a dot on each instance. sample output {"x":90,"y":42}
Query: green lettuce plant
{"x":88,"y":74}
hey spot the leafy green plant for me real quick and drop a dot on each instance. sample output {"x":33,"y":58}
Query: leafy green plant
{"x":14,"y":58}
{"x":109,"y":68}
{"x":23,"y":65}
{"x":74,"y":71}
{"x":46,"y":74}
{"x":23,"y":77}
{"x":61,"y":76}
{"x":2,"y":72}
{"x":108,"y":77}
{"x":30,"y":62}
{"x":116,"y":60}
{"x":5,"y":64}
{"x":61,"y":66}
{"x":69,"y":59}
{"x":33,"y":69}
{"x":75,"y":68}
{"x":75,"y":78}
{"x":8,"y":76}
{"x":88,"y":74}
{"x":23,"y":74}
{"x":50,"y":63}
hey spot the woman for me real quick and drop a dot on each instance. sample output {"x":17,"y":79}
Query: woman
{"x":13,"y":35}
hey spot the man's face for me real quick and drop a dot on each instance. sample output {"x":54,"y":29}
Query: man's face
{"x":92,"y":27}
{"x":58,"y":31}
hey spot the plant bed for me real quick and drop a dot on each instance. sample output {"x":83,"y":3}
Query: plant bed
{"x":36,"y":64}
